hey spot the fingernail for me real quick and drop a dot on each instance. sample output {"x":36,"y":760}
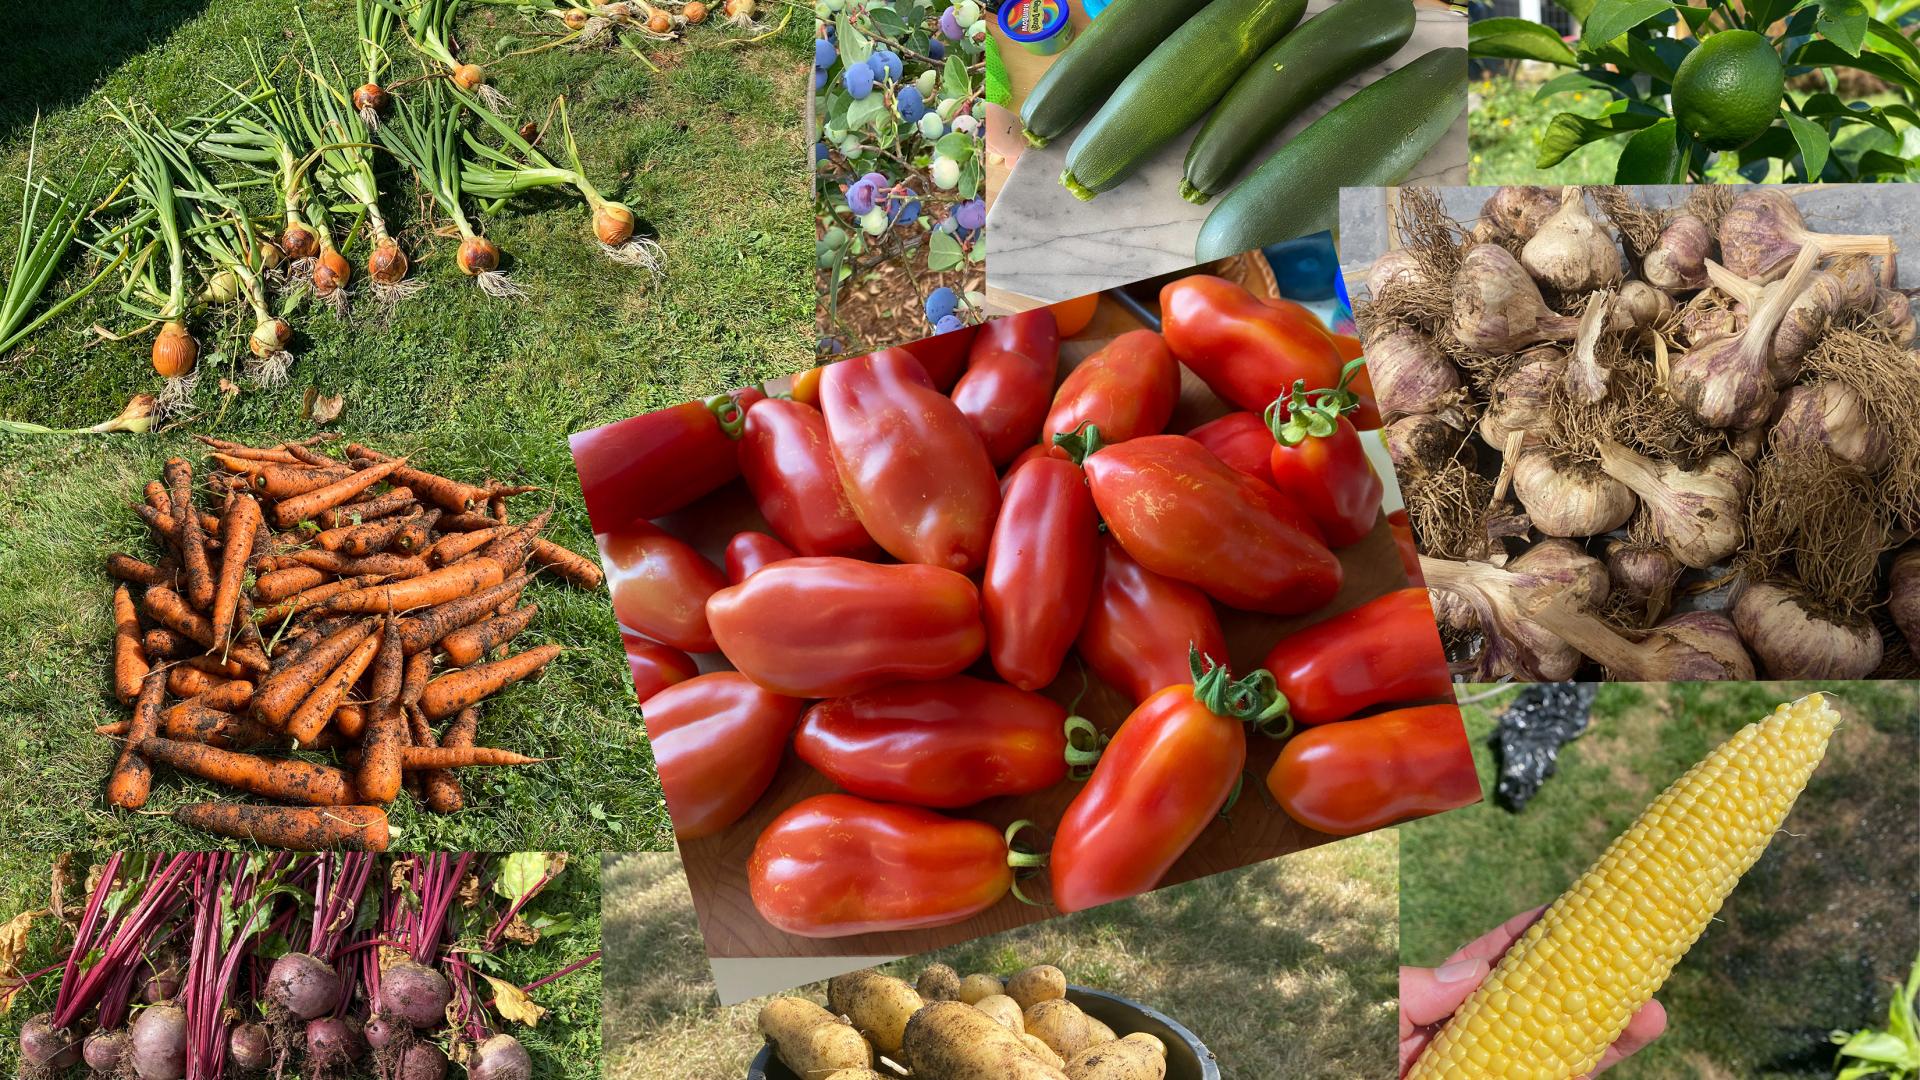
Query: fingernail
{"x":1458,"y":971}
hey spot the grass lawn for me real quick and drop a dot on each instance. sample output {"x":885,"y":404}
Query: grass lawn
{"x":1282,"y":969}
{"x":63,"y":508}
{"x":1813,"y":939}
{"x":564,"y":1046}
{"x":711,"y":155}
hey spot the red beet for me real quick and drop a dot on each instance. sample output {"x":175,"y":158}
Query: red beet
{"x":414,"y":994}
{"x":250,"y":1047}
{"x":159,"y":1043}
{"x":500,"y":1058}
{"x":303,"y":985}
{"x":44,"y":1045}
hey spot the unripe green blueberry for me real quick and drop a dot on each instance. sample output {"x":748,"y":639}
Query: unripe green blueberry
{"x":874,"y":221}
{"x":946,"y":173}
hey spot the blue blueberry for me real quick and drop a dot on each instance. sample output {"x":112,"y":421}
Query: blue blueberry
{"x":858,"y":80}
{"x":910,"y":106}
{"x":941,"y":303}
{"x":890,"y":65}
{"x":906,"y":212}
{"x":819,"y":79}
{"x":971,"y":214}
{"x":823,"y":53}
{"x":820,"y":152}
{"x":950,"y":26}
{"x":948,"y":324}
{"x":876,"y":180}
{"x":937,"y":49}
{"x":860,"y":197}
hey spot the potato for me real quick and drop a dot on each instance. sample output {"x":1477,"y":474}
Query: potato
{"x":975,"y":987}
{"x":1060,"y":1024}
{"x":1042,"y":1051}
{"x":1131,"y":1058}
{"x":879,"y":1006}
{"x":1151,"y":1042}
{"x":948,"y":1040}
{"x":1005,"y":1010}
{"x":859,"y":1074}
{"x":939,"y":983}
{"x":812,"y":1042}
{"x":1042,"y":982}
{"x":1104,"y":1034}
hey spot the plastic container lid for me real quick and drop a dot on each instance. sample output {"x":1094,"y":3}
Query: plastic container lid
{"x":1035,"y":22}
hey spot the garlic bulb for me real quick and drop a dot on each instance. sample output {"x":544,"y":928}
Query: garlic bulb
{"x":1644,"y":574}
{"x":1896,"y":314}
{"x":1519,"y":399}
{"x":1569,"y":500}
{"x":1410,"y":373}
{"x":1764,"y":231}
{"x":1503,"y":600}
{"x":1571,"y":252}
{"x":1678,"y":259}
{"x":1728,"y":381}
{"x":1903,"y":596}
{"x":1419,"y":444}
{"x":1497,"y":307}
{"x":1644,"y":304}
{"x":1792,"y":642}
{"x":1520,"y":211}
{"x":1831,"y":416}
{"x":1699,"y":513}
{"x":1828,"y":294}
{"x":1395,"y":268}
{"x":1693,"y":647}
{"x":1586,"y":377}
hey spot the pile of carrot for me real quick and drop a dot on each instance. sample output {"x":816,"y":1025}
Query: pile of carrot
{"x":346,"y":605}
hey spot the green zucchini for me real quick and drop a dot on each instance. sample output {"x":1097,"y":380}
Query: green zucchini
{"x":1372,"y":139}
{"x":1173,"y":88}
{"x":1326,"y":50}
{"x":1082,"y":76}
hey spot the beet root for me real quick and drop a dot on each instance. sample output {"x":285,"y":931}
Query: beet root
{"x":158,"y":1042}
{"x":250,"y":1047}
{"x":414,"y":994}
{"x":500,"y":1058}
{"x":43,"y":1045}
{"x":305,"y":986}
{"x":422,"y":1061}
{"x":104,"y":1050}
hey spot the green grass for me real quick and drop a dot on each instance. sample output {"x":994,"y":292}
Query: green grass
{"x":1813,"y":938}
{"x":1282,"y":969}
{"x":709,"y":154}
{"x":565,"y":1045}
{"x":63,"y":509}
{"x":1504,"y":126}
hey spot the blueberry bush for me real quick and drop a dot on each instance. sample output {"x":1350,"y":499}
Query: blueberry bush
{"x":898,"y":178}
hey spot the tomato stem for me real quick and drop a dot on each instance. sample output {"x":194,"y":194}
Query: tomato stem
{"x":1023,"y":860}
{"x":727,"y":410}
{"x":1081,"y":759}
{"x":1081,"y":443}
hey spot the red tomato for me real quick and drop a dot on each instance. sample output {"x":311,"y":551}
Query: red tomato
{"x":660,"y":585}
{"x":657,"y":463}
{"x":1159,"y":783}
{"x":1358,"y":775}
{"x":1383,"y":652}
{"x":1249,"y":352}
{"x":656,"y":666}
{"x":1242,"y":440}
{"x":1128,"y":388}
{"x":836,"y":865}
{"x":1140,"y":627}
{"x":717,"y":741}
{"x":1318,"y":461}
{"x":1039,"y":580}
{"x":918,"y":476}
{"x":1402,"y":527}
{"x":1184,"y":513}
{"x":748,"y":552}
{"x":827,"y":627}
{"x":1009,"y":381}
{"x":1035,"y":451}
{"x":946,"y":743}
{"x":943,"y":356}
{"x":787,"y":460}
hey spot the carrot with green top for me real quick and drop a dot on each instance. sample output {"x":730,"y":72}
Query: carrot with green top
{"x":313,"y":598}
{"x":428,"y":590}
{"x":456,"y":690}
{"x":345,"y":828}
{"x":471,"y":644}
{"x":430,"y":627}
{"x":311,"y":717}
{"x":378,"y":778}
{"x":394,"y":501}
{"x":290,"y":511}
{"x":238,"y":528}
{"x":285,"y":779}
{"x":130,"y":665}
{"x":577,"y":569}
{"x":186,"y":526}
{"x":276,"y":699}
{"x":132,"y":777}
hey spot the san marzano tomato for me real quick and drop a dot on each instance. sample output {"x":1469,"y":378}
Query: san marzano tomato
{"x":660,"y":585}
{"x":717,"y":741}
{"x":1040,"y":571}
{"x":1384,"y":652}
{"x":1359,"y":775}
{"x":787,"y":461}
{"x":1141,"y":626}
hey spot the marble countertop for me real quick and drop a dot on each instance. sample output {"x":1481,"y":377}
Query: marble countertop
{"x":1046,"y":245}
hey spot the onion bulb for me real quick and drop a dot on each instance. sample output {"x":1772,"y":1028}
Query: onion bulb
{"x":387,"y":264}
{"x":271,"y":256}
{"x":1794,"y":643}
{"x":298,"y":241}
{"x":331,"y":271}
{"x":270,"y":336}
{"x":469,"y":77}
{"x":740,"y":12}
{"x":221,"y":288}
{"x":1696,"y":646}
{"x":477,"y":256}
{"x":1699,"y":513}
{"x":174,"y":350}
{"x":371,"y":98}
{"x":1831,"y":416}
{"x":660,"y":23}
{"x":1569,"y":499}
{"x":1728,"y":382}
{"x":1410,"y":373}
{"x":1497,"y":307}
{"x":1763,"y":232}
{"x":575,"y":18}
{"x":1571,"y":252}
{"x":1503,"y":600}
{"x":1520,"y":210}
{"x":613,"y":223}
{"x":695,"y":12}
{"x":1678,"y":260}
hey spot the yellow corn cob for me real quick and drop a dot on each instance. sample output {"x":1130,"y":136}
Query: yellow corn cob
{"x":1566,"y":989}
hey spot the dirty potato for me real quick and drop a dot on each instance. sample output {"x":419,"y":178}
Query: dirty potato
{"x":948,"y":1040}
{"x":879,"y":1006}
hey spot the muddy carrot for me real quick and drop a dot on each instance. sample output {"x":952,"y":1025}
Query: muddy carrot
{"x":349,"y":722}
{"x":287,"y":481}
{"x":285,"y":779}
{"x":362,"y":539}
{"x":188,"y":722}
{"x":470,"y":644}
{"x":276,"y":585}
{"x":394,"y":501}
{"x":350,"y":828}
{"x":575,"y":568}
{"x":448,"y":494}
{"x":276,"y":699}
{"x":512,"y":548}
{"x":378,"y":778}
{"x":186,"y":681}
{"x":286,"y":512}
{"x":418,"y":672}
{"x":312,"y":457}
{"x":156,"y":495}
{"x":117,"y":729}
{"x":128,"y":568}
{"x":170,"y":610}
{"x":427,"y":590}
{"x":467,"y":523}
{"x":130,"y":665}
{"x":454,"y":546}
{"x":227,"y":697}
{"x":186,"y":526}
{"x":440,"y":787}
{"x":132,"y":775}
{"x":312,"y":598}
{"x":456,"y":690}
{"x":385,"y":564}
{"x":238,"y":528}
{"x":161,"y":645}
{"x":213,"y":665}
{"x":460,"y":757}
{"x":434,"y":624}
{"x":317,"y":558}
{"x":311,"y":717}
{"x":417,"y":534}
{"x":278,"y":454}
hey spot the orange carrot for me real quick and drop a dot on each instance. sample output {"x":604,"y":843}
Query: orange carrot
{"x":276,"y":699}
{"x":277,"y":454}
{"x":186,"y":526}
{"x":456,"y":690}
{"x":417,"y":534}
{"x":350,"y":828}
{"x":129,"y":660}
{"x":438,"y":587}
{"x":213,"y":665}
{"x":188,"y":722}
{"x":349,"y":723}
{"x":289,"y":511}
{"x":284,"y":481}
{"x":276,"y":585}
{"x":378,"y":777}
{"x":187,"y":681}
{"x":470,"y":644}
{"x":312,"y":715}
{"x":467,"y":523}
{"x":238,"y":528}
{"x":575,"y":568}
{"x":454,"y":546}
{"x":440,"y":787}
{"x":395,"y":501}
{"x":413,"y":682}
{"x":316,"y":558}
{"x":312,"y":598}
{"x":512,"y":549}
{"x":156,"y":496}
{"x":431,"y":626}
{"x":129,"y":569}
{"x":448,"y":494}
{"x":285,"y":779}
{"x":385,"y":564}
{"x":160,"y":644}
{"x":361,"y":539}
{"x":170,"y":610}
{"x":227,"y":697}
{"x":132,"y":775}
{"x":460,"y":757}
{"x":118,"y":729}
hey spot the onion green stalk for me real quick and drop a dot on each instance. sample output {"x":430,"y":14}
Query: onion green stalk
{"x":429,"y":26}
{"x":153,"y":185}
{"x":373,"y":28}
{"x":336,"y":127}
{"x":424,"y":133}
{"x":138,"y":417}
{"x":40,"y":247}
{"x":499,"y":173}
{"x":266,"y":135}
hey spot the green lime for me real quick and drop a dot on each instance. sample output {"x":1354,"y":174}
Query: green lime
{"x":1728,"y":90}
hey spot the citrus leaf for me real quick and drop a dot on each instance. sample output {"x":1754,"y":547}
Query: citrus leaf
{"x":1896,"y":46}
{"x":1813,"y":143}
{"x":1517,"y":39}
{"x":1696,"y":17}
{"x":1579,"y":9}
{"x":1653,"y":157}
{"x":1570,"y":131}
{"x":1611,"y":18}
{"x":1843,"y":22}
{"x":1578,"y":81}
{"x":1827,"y":54}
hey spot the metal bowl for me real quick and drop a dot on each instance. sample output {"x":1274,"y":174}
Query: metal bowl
{"x":1187,"y":1057}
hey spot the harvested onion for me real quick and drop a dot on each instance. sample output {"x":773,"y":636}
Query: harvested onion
{"x":298,"y":241}
{"x":270,"y":336}
{"x":174,"y":350}
{"x":387,"y":264}
{"x":478,"y":256}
